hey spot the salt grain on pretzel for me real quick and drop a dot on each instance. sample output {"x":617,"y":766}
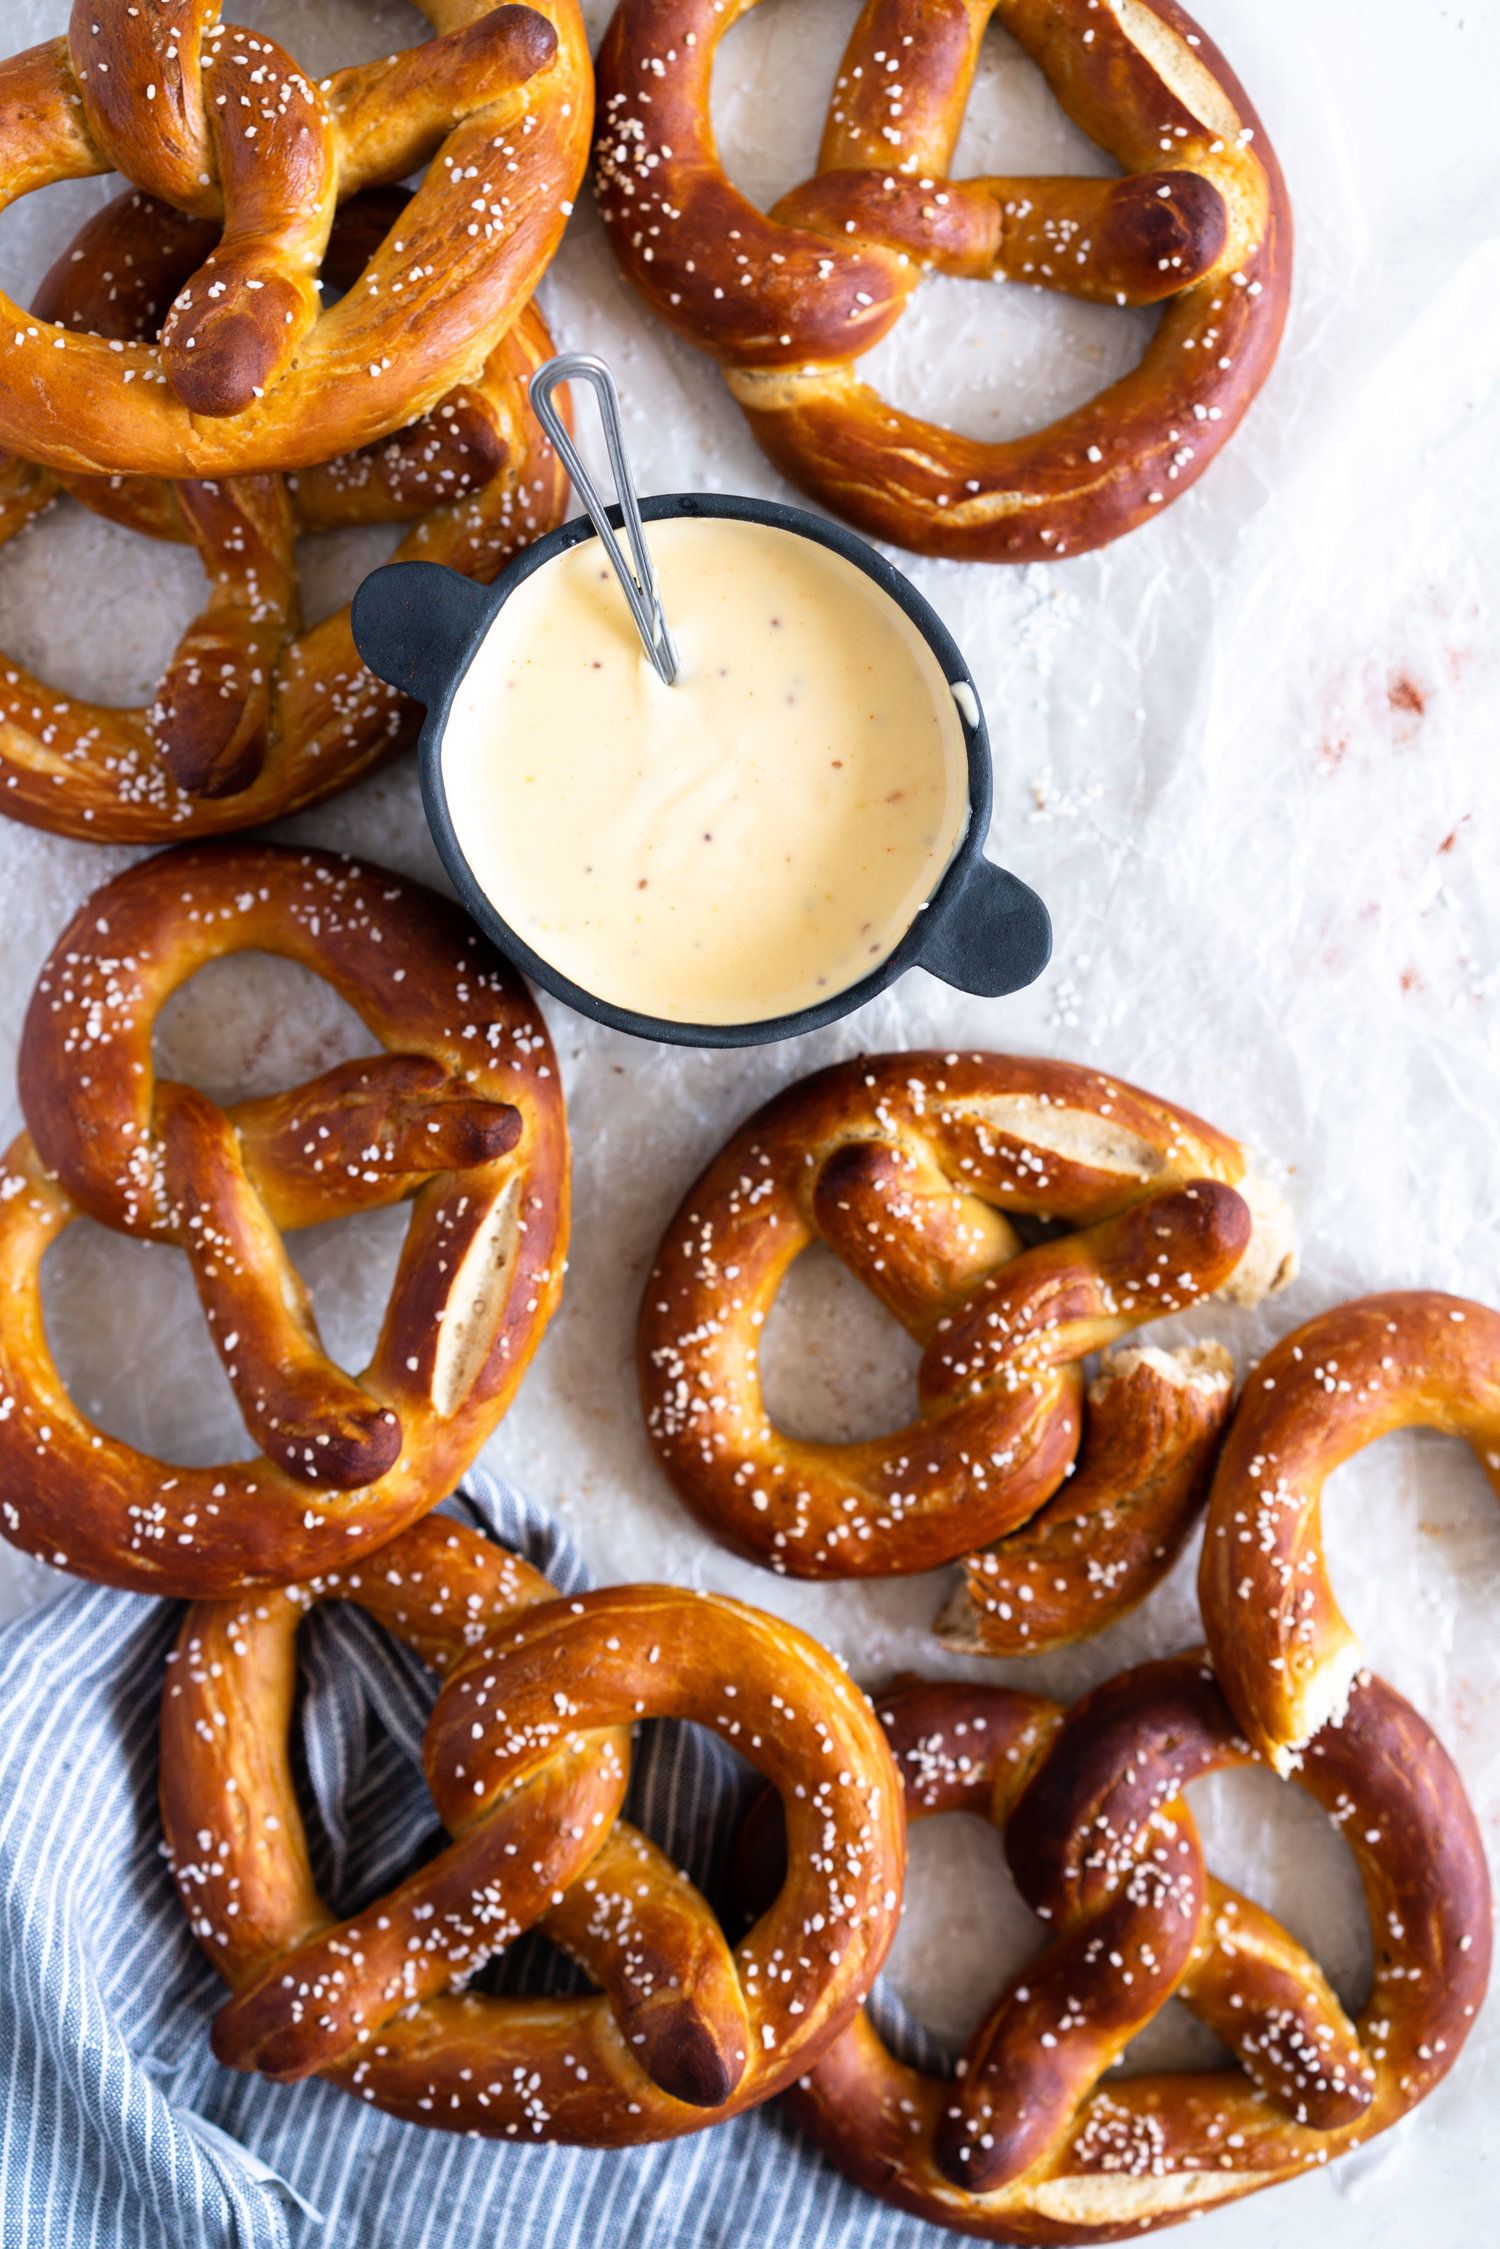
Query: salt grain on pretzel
{"x":526,"y":1756}
{"x":789,"y":302}
{"x":220,"y":122}
{"x":463,"y":1115}
{"x":1115,"y":1527}
{"x":308,"y":1988}
{"x":1024,"y":2143}
{"x":254,"y":718}
{"x":911,"y":1167}
{"x":1278,"y":1639}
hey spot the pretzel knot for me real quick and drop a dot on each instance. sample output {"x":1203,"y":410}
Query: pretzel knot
{"x":253,"y":718}
{"x":463,"y":1115}
{"x":251,"y":372}
{"x":789,"y":302}
{"x":1278,"y":1638}
{"x":526,"y":1758}
{"x":914,"y":1169}
{"x":1024,"y":2144}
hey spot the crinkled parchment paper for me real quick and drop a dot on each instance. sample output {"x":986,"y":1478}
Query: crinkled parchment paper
{"x":1248,"y":755}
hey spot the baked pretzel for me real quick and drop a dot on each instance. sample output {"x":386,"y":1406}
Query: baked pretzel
{"x":1278,"y":1638}
{"x":219,"y":121}
{"x":526,"y":1759}
{"x":789,"y":302}
{"x":463,"y":1114}
{"x":912,"y":1168}
{"x":1024,"y":2144}
{"x":253,"y":718}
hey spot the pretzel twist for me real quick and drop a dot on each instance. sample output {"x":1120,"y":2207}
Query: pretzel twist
{"x":526,"y":1758}
{"x":1024,"y":2144}
{"x":249,"y":374}
{"x":463,"y":1115}
{"x":1115,"y":1527}
{"x":253,"y":718}
{"x":911,"y":1168}
{"x":789,"y":302}
{"x":1279,"y":1641}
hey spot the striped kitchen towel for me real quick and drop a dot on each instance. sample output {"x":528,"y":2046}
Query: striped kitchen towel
{"x":120,"y":2131}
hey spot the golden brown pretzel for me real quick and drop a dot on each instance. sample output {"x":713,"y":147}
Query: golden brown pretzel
{"x":253,"y":718}
{"x":250,"y":375}
{"x":1278,"y":1639}
{"x":911,"y":1167}
{"x":684,"y":2032}
{"x":789,"y":302}
{"x":1025,"y":2144}
{"x":463,"y":1114}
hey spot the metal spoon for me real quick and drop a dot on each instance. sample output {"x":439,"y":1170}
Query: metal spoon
{"x":639,"y":587}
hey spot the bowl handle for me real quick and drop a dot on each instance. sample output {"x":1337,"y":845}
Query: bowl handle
{"x":990,"y":936}
{"x":413,"y":622}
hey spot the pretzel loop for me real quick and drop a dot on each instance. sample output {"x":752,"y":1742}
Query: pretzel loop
{"x":789,"y":301}
{"x":1279,"y":1641}
{"x":914,"y":1169}
{"x":525,"y":1759}
{"x":463,"y":1116}
{"x":252,"y":373}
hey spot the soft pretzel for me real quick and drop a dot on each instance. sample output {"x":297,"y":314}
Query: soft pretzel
{"x":254,"y":718}
{"x":219,"y":121}
{"x":526,"y":1759}
{"x":912,"y":1167}
{"x":463,"y":1114}
{"x":1024,"y":2144}
{"x":1278,"y":1639}
{"x":789,"y":302}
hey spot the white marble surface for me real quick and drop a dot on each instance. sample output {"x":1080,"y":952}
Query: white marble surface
{"x":1248,"y":756}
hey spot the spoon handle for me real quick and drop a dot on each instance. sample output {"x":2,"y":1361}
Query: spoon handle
{"x":638,"y":584}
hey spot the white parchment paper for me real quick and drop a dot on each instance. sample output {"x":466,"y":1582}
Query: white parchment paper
{"x":1249,"y":757}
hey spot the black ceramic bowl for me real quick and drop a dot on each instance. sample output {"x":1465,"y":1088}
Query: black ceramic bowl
{"x":418,"y":625}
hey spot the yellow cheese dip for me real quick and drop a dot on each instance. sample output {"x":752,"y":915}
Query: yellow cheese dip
{"x":740,"y":845}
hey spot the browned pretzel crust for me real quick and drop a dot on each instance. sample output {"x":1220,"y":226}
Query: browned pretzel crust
{"x":254,"y":718}
{"x":463,"y":1115}
{"x":220,"y":122}
{"x":1116,"y":1526}
{"x":911,"y":1167}
{"x":526,"y":1759}
{"x":1025,"y":2144}
{"x":1278,"y":1638}
{"x":789,"y":302}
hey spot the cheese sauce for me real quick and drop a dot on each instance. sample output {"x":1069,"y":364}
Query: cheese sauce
{"x":745,"y":843}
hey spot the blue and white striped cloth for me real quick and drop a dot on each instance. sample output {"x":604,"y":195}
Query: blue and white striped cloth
{"x":120,"y":2131}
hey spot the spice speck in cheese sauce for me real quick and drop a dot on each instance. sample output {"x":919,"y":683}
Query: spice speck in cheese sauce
{"x":743,"y":844}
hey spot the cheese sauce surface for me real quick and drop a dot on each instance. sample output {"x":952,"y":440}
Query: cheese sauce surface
{"x":745,"y":843}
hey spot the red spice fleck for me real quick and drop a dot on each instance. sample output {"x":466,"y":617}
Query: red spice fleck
{"x":1403,"y":694}
{"x":1451,"y":838}
{"x":1411,"y":981}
